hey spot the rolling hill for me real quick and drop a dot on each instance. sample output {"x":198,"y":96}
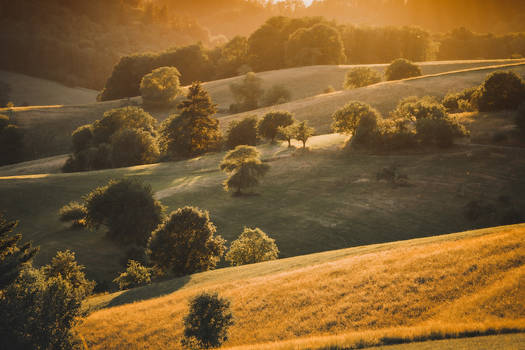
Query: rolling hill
{"x":448,"y":286}
{"x":48,"y":129}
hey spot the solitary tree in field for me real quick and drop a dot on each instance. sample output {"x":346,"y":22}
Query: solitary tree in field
{"x":402,"y":69}
{"x":160,"y":87}
{"x":361,"y":76}
{"x":244,"y":168}
{"x":207,"y":323}
{"x":247,"y":93}
{"x":271,"y":121}
{"x":243,"y":132}
{"x":194,"y":131}
{"x":252,"y":246}
{"x":347,"y":118}
{"x":303,"y":132}
{"x":501,"y":90}
{"x":186,"y":242}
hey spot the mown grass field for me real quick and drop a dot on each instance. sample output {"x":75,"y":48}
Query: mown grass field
{"x":311,"y":202}
{"x":48,"y":128}
{"x":468,"y":283}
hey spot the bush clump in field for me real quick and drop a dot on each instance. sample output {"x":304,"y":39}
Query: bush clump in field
{"x":11,"y":142}
{"x":392,"y":175}
{"x":359,"y":120}
{"x":276,"y":95}
{"x":271,"y":121}
{"x":361,"y":76}
{"x":75,"y":213}
{"x":500,"y":91}
{"x":247,"y":93}
{"x":186,"y":243}
{"x":252,"y":246}
{"x":161,"y":87}
{"x":192,"y":132}
{"x":127,"y":208}
{"x":123,"y":137}
{"x":244,"y":168}
{"x":207,"y":323}
{"x":135,"y":275}
{"x":242,"y":132}
{"x":401,"y":69}
{"x":456,"y":102}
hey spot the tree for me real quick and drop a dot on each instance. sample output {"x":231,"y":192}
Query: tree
{"x":401,"y":69}
{"x":74,"y":212}
{"x":12,"y":256}
{"x":206,"y":325}
{"x":186,"y":243}
{"x":286,"y":133}
{"x":361,"y":76}
{"x":242,"y":132}
{"x":347,"y":118}
{"x":501,"y":90}
{"x":252,"y":246}
{"x":276,"y":95}
{"x":244,"y":168}
{"x":135,"y":275}
{"x":303,"y":132}
{"x":193,"y":132}
{"x":127,"y":208}
{"x":64,"y":265}
{"x":160,"y":87}
{"x":271,"y":121}
{"x":247,"y":93}
{"x":133,"y":147}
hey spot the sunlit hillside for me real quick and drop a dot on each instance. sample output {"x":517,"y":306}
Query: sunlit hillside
{"x":421,"y":289}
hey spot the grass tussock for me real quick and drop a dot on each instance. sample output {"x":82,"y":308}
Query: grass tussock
{"x":433,"y":290}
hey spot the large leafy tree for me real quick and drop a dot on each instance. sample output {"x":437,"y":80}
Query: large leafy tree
{"x":252,"y":246}
{"x":242,"y":132}
{"x":244,"y":168}
{"x":160,"y":87}
{"x":194,"y":131}
{"x":401,"y":69}
{"x":269,"y":124}
{"x":346,"y":119}
{"x":12,"y":255}
{"x":186,"y":242}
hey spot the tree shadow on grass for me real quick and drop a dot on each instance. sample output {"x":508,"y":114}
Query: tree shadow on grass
{"x":148,"y":292}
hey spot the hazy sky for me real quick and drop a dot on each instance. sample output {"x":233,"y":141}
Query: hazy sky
{"x":307,"y":2}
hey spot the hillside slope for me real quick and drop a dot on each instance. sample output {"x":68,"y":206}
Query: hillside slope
{"x":426,"y":288}
{"x":26,"y":90}
{"x":48,"y":129}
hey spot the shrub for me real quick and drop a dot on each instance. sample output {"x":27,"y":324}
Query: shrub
{"x":271,"y":121}
{"x":276,"y":95}
{"x":186,"y":243}
{"x":135,"y":275}
{"x":247,"y":93}
{"x":361,"y":76}
{"x":302,"y":132}
{"x":82,"y":138}
{"x":392,"y":175}
{"x":127,"y":208}
{"x":244,"y":168}
{"x":242,"y":132}
{"x":347,"y":118}
{"x":252,"y":246}
{"x":401,"y":69}
{"x":161,"y":87}
{"x":133,"y":147}
{"x":501,"y":90}
{"x":193,"y":132}
{"x":74,"y":212}
{"x":206,"y":325}
{"x":459,"y":101}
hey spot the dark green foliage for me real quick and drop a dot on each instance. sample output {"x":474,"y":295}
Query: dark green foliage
{"x":347,"y":118}
{"x":367,"y":131}
{"x":271,"y":121}
{"x":361,"y":76}
{"x":247,"y":93}
{"x":186,"y":243}
{"x":520,"y":118}
{"x":252,"y":246}
{"x":127,"y":208}
{"x":286,"y":133}
{"x":501,"y":90}
{"x":244,"y":168}
{"x":75,"y":213}
{"x":12,"y":256}
{"x":276,"y":95}
{"x":160,"y":87}
{"x":65,"y":266}
{"x":460,"y":101}
{"x":193,"y":132}
{"x":135,"y":275}
{"x":123,"y":137}
{"x":38,"y":312}
{"x":242,"y":132}
{"x":206,"y":325}
{"x":302,"y":132}
{"x":11,"y":142}
{"x":401,"y":69}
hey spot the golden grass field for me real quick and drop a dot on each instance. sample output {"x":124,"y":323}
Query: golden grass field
{"x":48,"y":128}
{"x":445,"y":286}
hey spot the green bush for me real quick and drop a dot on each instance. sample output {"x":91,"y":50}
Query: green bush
{"x":247,"y":93}
{"x":500,"y":91}
{"x":252,"y":246}
{"x":74,"y":212}
{"x":456,"y":102}
{"x":127,"y":208}
{"x":161,"y":87}
{"x":360,"y":76}
{"x":271,"y":121}
{"x":135,"y":275}
{"x":186,"y":243}
{"x":244,"y":168}
{"x":207,"y":323}
{"x":401,"y":69}
{"x":133,"y":147}
{"x":242,"y":132}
